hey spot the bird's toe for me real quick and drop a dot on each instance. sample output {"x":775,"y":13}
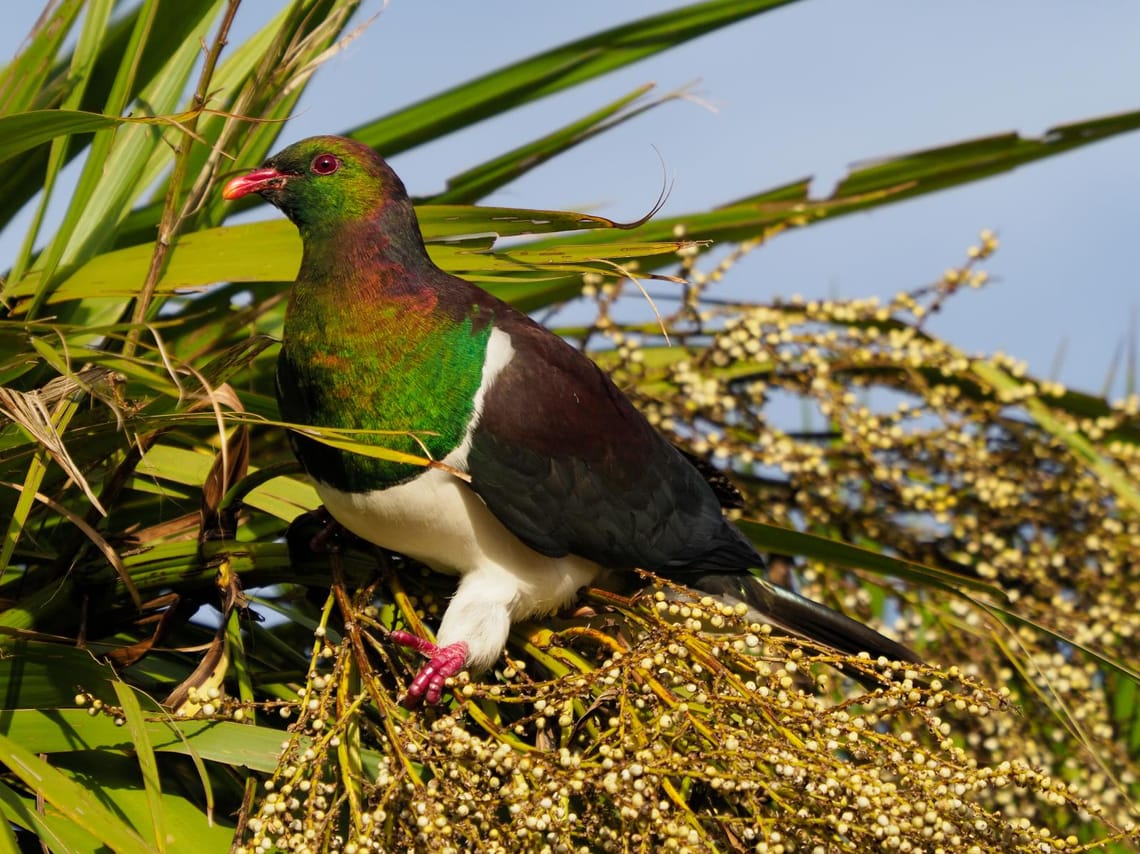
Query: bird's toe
{"x":443,"y":663}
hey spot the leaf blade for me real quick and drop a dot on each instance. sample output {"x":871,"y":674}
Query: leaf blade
{"x":71,"y":799}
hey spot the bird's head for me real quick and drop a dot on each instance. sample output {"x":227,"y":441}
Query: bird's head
{"x":322,"y":182}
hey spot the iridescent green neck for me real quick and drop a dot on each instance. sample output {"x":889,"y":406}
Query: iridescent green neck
{"x":365,"y":349}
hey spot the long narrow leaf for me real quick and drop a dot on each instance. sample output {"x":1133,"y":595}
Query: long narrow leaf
{"x":23,"y":812}
{"x":477,"y":182}
{"x":83,"y":58}
{"x":552,"y":71}
{"x":23,"y":82}
{"x":271,"y":252}
{"x":174,"y":26}
{"x":144,"y":751}
{"x":69,"y":798}
{"x":786,"y":541}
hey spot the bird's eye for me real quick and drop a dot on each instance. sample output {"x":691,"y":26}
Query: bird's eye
{"x":325,"y":164}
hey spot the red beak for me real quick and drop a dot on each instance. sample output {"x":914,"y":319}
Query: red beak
{"x":253,"y":182}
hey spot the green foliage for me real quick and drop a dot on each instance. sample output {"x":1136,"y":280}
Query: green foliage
{"x":145,"y":475}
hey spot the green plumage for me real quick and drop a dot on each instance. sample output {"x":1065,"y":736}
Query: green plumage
{"x":429,"y":375}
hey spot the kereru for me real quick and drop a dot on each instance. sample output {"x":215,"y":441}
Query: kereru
{"x":550,"y":474}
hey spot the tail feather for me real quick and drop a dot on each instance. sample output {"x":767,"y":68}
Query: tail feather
{"x":800,"y":617}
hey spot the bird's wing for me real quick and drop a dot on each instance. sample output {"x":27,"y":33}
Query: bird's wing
{"x":567,"y":463}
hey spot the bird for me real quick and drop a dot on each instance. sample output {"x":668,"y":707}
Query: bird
{"x":546,"y":477}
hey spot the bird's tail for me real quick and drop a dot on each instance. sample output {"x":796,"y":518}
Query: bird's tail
{"x":789,"y":612}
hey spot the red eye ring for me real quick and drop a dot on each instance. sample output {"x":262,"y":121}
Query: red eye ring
{"x":324,"y":164}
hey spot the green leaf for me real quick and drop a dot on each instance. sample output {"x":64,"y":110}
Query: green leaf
{"x":283,"y":497}
{"x":950,"y":165}
{"x":885,"y":181}
{"x":23,"y":812}
{"x":1123,"y":668}
{"x":1125,"y":697}
{"x":255,"y":748}
{"x":110,"y":182}
{"x":113,"y":777}
{"x":23,"y":131}
{"x":837,"y":553}
{"x":449,"y":221}
{"x":481,"y":180}
{"x":7,"y":834}
{"x":68,"y":797}
{"x":144,"y":751}
{"x":24,"y":81}
{"x":271,"y":252}
{"x":47,"y":675}
{"x":552,"y":71}
{"x":173,"y":28}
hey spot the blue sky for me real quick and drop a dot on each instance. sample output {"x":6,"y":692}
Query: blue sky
{"x":807,"y":90}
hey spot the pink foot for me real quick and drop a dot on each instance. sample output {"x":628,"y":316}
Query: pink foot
{"x":443,"y":663}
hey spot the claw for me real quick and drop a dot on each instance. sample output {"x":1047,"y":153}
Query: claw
{"x":443,"y":663}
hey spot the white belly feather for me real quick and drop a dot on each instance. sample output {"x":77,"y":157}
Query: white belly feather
{"x":439,"y":520}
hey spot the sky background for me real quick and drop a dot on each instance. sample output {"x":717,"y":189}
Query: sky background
{"x":806,"y":90}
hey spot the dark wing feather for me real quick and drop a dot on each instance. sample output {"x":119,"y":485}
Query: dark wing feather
{"x":566,"y":462}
